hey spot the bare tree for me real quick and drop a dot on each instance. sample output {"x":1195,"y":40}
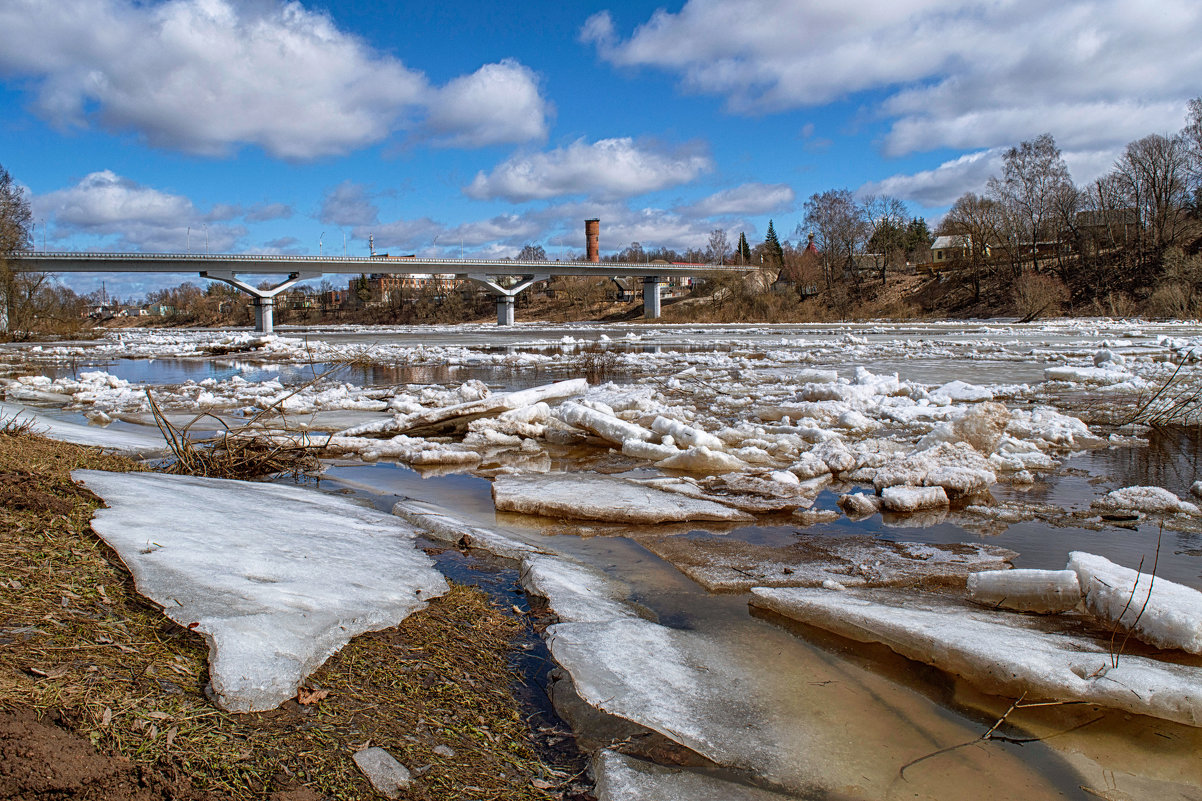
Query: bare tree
{"x":718,"y":247}
{"x":15,"y":222}
{"x":1192,"y":134}
{"x":982,"y":222}
{"x":1153,"y":173}
{"x":1033,"y":174}
{"x":834,"y":218}
{"x":885,"y":220}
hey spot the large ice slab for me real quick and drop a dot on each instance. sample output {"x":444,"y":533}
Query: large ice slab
{"x":575,"y":592}
{"x":590,"y":496}
{"x":623,"y":778}
{"x":729,"y":565}
{"x":667,"y":680}
{"x":130,"y":443}
{"x":1156,"y":610}
{"x":441,"y":419}
{"x":1000,"y":652}
{"x":275,"y":578}
{"x":1156,"y":500}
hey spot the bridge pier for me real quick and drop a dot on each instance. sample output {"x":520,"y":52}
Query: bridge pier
{"x":263,"y":300}
{"x":651,"y":297}
{"x":506,"y":295}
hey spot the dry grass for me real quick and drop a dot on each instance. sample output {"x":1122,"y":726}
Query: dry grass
{"x":78,"y":642}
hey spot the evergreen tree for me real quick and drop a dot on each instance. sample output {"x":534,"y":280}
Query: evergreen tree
{"x":774,"y":255}
{"x":744,"y":250}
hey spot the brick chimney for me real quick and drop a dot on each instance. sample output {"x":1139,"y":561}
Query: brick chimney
{"x":592,"y":239}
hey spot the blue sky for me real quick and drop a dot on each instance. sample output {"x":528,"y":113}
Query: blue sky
{"x":267,"y":126}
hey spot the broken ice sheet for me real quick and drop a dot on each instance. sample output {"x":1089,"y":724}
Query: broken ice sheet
{"x":727,"y":565}
{"x":1000,"y":652}
{"x":277,"y":579}
{"x":624,"y":778}
{"x":590,"y":496}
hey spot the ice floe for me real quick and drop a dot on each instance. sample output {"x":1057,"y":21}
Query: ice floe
{"x":137,"y":444}
{"x":1158,"y":611}
{"x":999,"y":651}
{"x":1026,"y":590}
{"x":624,"y":778}
{"x":276,"y":578}
{"x":1153,"y":500}
{"x":591,"y":496}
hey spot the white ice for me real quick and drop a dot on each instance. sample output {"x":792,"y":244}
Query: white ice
{"x":1026,"y":590}
{"x":130,"y":443}
{"x":623,"y":778}
{"x":1156,"y":610}
{"x":1001,"y":652}
{"x":590,"y":496}
{"x":276,"y":578}
{"x":1155,"y":500}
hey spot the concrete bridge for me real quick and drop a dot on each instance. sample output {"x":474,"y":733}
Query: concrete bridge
{"x":291,"y":269}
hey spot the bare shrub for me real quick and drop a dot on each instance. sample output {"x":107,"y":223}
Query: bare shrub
{"x":1038,"y":293}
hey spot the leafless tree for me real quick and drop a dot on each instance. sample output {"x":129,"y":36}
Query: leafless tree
{"x":1153,"y":174}
{"x":718,"y":247}
{"x":1033,"y":175}
{"x":982,"y":223}
{"x":838,"y":227}
{"x":885,"y":220}
{"x":15,"y":222}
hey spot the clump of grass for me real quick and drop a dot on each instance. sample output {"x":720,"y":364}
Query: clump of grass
{"x":79,"y":643}
{"x":1177,"y":401}
{"x":598,"y":363}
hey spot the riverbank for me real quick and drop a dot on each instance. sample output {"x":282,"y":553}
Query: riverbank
{"x":104,"y":697}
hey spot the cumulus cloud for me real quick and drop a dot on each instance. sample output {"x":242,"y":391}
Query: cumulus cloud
{"x":497,"y":104}
{"x":750,"y":198}
{"x":958,"y":73}
{"x":265,"y":212}
{"x":106,"y":205}
{"x":607,"y":168}
{"x":208,"y":76}
{"x":943,"y":184}
{"x":348,"y":204}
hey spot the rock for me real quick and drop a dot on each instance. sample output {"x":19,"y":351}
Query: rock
{"x":386,"y":775}
{"x":444,"y":751}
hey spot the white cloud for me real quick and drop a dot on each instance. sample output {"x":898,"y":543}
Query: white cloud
{"x":958,"y":73}
{"x":608,"y":168}
{"x":750,"y":198}
{"x":942,"y":185}
{"x":265,"y":212}
{"x":497,"y":104}
{"x":348,"y":204}
{"x":107,"y":206}
{"x":208,"y":76}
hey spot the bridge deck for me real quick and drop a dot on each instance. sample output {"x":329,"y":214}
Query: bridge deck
{"x":100,"y":262}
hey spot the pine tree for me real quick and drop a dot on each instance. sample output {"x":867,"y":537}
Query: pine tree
{"x":774,"y":255}
{"x":744,"y":249}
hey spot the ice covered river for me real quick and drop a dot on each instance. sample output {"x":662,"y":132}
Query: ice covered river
{"x":741,"y":527}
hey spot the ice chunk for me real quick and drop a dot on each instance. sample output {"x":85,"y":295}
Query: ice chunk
{"x":1167,"y":616}
{"x":1196,"y":489}
{"x":575,"y":592}
{"x":701,"y":459}
{"x":959,"y":482}
{"x":724,"y":564}
{"x":1155,"y":500}
{"x":1026,"y":590}
{"x":756,"y":494}
{"x":443,"y":419}
{"x":276,"y":578}
{"x":648,"y":450}
{"x":686,"y":435}
{"x":624,"y":778}
{"x":858,"y":505}
{"x":1087,"y":375}
{"x":960,"y":392}
{"x":606,"y":426}
{"x":434,"y":521}
{"x":1000,"y":652}
{"x":808,"y":465}
{"x":130,"y":443}
{"x":590,"y":496}
{"x":913,"y":499}
{"x":674,"y":682}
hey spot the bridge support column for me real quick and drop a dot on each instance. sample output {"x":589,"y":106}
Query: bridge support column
{"x":651,"y":297}
{"x":262,"y":299}
{"x":264,"y":313}
{"x":505,"y":305}
{"x":506,"y":295}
